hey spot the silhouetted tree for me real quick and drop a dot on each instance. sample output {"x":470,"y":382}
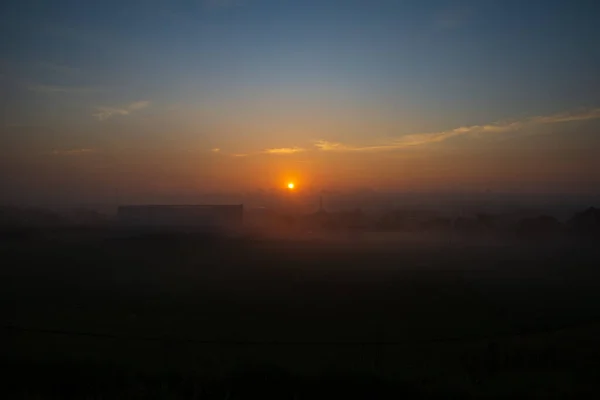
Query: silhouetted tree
{"x":543,"y":225}
{"x":586,"y":222}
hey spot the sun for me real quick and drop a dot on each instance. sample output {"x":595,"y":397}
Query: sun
{"x":291,"y":185}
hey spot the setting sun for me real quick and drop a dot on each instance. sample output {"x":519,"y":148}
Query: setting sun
{"x":290,"y":185}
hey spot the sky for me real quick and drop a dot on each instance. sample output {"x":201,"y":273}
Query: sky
{"x":141,"y":98}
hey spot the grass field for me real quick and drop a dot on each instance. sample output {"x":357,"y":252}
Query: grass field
{"x":182,"y":316}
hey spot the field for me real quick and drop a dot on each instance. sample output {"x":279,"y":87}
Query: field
{"x":92,"y":314}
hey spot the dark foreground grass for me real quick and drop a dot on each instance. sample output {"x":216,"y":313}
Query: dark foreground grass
{"x":251,"y":383}
{"x":563,"y":363}
{"x":186,"y":318}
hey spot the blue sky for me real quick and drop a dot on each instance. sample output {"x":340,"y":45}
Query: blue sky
{"x":245,"y":76}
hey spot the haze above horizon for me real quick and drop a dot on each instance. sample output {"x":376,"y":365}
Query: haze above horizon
{"x":178,"y":98}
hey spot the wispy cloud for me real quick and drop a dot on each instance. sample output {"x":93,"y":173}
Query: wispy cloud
{"x":50,"y":89}
{"x":271,"y":151}
{"x":104,"y":113}
{"x":325,"y":145}
{"x":284,"y":150}
{"x":526,"y":126}
{"x":568,"y":117}
{"x":73,"y":152}
{"x":421,"y":139}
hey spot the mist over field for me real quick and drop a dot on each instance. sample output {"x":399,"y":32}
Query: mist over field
{"x":393,"y":298}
